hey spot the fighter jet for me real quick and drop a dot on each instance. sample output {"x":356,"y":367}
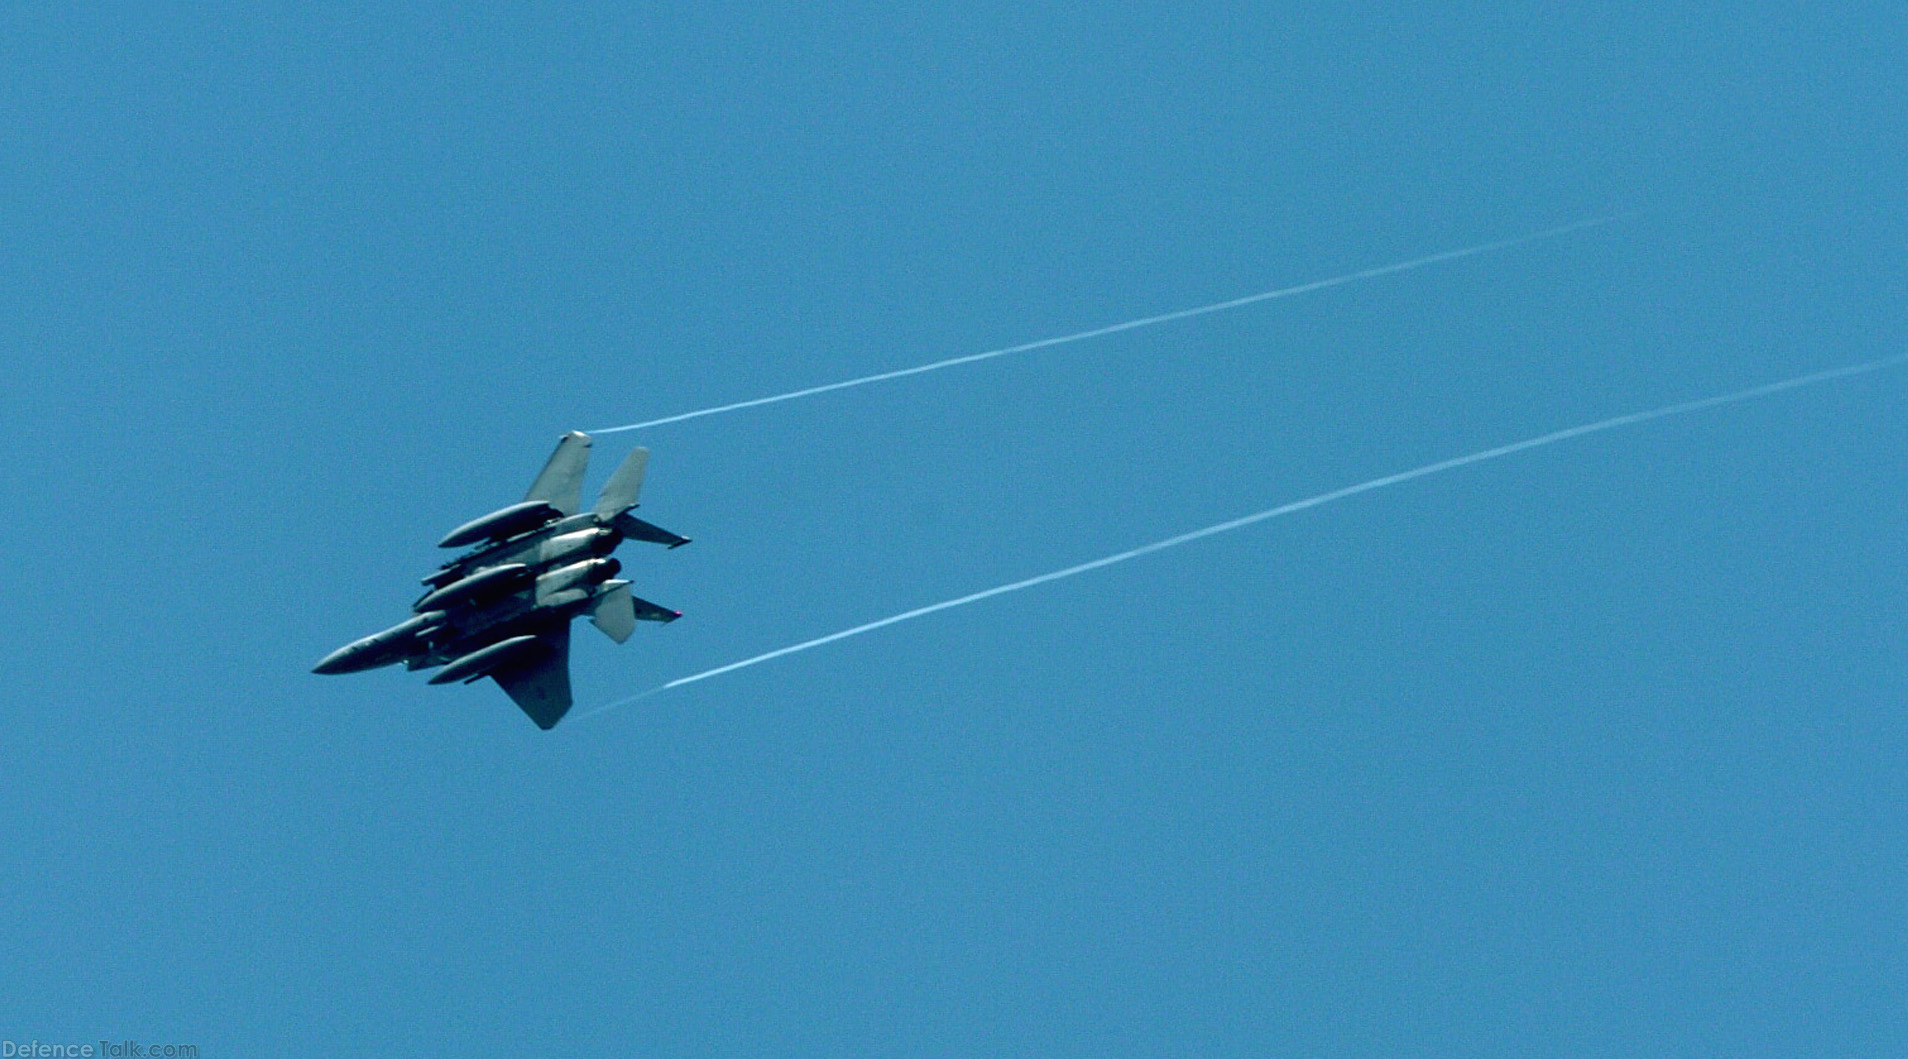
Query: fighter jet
{"x":503,"y":609}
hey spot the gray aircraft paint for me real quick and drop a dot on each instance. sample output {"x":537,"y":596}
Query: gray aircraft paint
{"x":503,"y":610}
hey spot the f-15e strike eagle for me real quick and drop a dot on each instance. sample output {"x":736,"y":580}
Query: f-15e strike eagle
{"x":503,"y":609}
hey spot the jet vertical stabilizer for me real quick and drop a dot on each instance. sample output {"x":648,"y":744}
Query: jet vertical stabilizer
{"x":615,"y":613}
{"x":561,"y":481}
{"x":619,"y":493}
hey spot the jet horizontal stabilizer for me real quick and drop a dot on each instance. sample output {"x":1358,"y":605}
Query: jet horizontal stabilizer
{"x":647,"y":611}
{"x":615,"y":611}
{"x":637,"y":530}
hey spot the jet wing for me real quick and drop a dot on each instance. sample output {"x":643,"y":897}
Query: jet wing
{"x":541,"y":684}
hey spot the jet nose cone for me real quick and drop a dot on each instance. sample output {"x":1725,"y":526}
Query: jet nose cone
{"x":338,"y":661}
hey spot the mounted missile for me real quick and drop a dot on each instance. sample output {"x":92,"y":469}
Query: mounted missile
{"x":478,"y":664}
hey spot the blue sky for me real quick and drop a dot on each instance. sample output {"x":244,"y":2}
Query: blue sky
{"x":1594,"y":750}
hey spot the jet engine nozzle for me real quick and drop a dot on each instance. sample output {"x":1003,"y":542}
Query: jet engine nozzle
{"x":576,"y":575}
{"x":570,"y":547}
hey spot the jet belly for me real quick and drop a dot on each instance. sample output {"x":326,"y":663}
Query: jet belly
{"x":495,"y":621}
{"x":525,"y":613}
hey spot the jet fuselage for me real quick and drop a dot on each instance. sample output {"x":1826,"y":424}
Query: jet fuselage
{"x":503,"y":609}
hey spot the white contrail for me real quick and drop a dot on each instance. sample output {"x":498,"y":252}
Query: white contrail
{"x":1287,"y":509}
{"x":1144,"y":321}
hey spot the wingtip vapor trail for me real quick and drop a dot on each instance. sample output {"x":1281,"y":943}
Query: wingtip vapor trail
{"x":1135,"y":324}
{"x":619,"y":703}
{"x":1439,"y":467}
